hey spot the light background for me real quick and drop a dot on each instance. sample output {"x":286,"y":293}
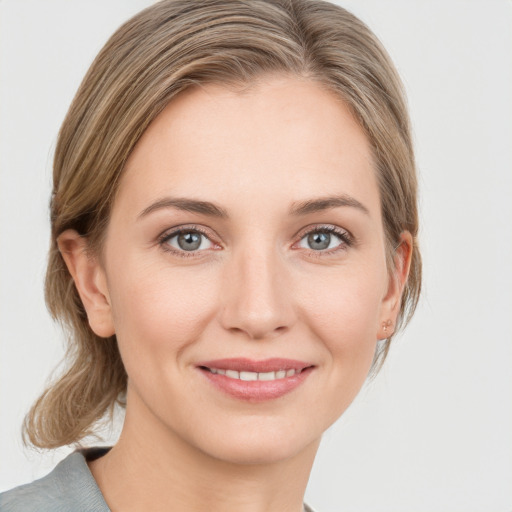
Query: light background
{"x":433,"y":433}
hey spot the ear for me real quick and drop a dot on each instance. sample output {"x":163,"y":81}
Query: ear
{"x":397,"y":280}
{"x":90,"y":281}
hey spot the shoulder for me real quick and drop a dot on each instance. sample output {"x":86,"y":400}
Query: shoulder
{"x":69,"y":487}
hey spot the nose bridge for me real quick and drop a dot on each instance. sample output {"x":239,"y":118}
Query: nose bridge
{"x":257,"y":299}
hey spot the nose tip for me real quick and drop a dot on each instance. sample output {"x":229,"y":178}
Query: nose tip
{"x":257,"y":299}
{"x":258,"y":326}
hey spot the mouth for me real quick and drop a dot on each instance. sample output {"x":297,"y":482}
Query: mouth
{"x":256,"y":381}
{"x":252,"y":376}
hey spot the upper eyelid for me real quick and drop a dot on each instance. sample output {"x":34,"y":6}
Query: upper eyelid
{"x":171,"y":232}
{"x":331,"y":228}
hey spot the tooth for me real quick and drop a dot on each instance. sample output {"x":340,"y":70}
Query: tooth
{"x":252,"y":376}
{"x":267,"y":376}
{"x":248,"y":376}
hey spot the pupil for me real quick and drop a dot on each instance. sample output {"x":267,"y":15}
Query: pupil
{"x":189,"y":241}
{"x":319,"y":241}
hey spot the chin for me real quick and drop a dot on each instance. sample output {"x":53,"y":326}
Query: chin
{"x":260,"y":444}
{"x":259,"y":453}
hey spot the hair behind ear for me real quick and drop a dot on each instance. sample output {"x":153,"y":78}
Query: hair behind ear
{"x":93,"y":381}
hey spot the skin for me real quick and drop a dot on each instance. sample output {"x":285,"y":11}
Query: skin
{"x":254,"y":289}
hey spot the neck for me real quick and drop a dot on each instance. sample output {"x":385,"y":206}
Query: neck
{"x":152,"y":468}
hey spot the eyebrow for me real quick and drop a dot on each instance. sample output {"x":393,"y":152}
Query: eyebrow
{"x":326,"y":203}
{"x":188,"y":205}
{"x":297,"y":209}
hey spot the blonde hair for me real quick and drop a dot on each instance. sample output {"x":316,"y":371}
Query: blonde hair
{"x":164,"y":49}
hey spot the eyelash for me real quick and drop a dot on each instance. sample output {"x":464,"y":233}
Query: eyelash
{"x":165,"y":237}
{"x":346,"y":238}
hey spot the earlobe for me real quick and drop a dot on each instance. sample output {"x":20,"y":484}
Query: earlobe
{"x":397,"y":280}
{"x":90,"y":281}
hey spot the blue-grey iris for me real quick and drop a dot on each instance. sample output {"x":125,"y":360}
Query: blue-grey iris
{"x":319,"y":241}
{"x":189,"y":241}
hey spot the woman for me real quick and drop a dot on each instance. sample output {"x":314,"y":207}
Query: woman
{"x":234,"y":228}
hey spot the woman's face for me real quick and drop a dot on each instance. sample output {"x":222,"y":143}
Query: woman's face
{"x":244,"y":269}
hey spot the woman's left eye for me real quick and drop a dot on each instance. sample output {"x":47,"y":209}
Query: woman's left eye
{"x":189,"y":240}
{"x":324,"y":239}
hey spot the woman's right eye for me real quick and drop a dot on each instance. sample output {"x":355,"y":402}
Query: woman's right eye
{"x":186,"y":241}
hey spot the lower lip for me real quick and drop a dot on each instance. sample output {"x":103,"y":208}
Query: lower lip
{"x":257,"y":390}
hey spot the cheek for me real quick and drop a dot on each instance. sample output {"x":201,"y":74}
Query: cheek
{"x":156,"y":307}
{"x":344,"y":308}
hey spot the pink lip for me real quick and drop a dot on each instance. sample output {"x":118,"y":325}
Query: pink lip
{"x":260,"y":390}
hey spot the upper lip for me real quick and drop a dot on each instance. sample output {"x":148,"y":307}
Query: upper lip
{"x":249,"y":365}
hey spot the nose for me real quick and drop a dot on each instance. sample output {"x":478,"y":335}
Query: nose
{"x":257,"y":297}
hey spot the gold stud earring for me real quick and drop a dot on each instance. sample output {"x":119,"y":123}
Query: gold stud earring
{"x":385,"y":325}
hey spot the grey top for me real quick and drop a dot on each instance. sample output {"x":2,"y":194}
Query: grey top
{"x":70,"y":487}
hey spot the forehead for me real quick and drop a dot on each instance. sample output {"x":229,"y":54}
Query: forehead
{"x":282,"y":140}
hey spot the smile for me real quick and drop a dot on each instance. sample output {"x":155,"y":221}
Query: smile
{"x":252,"y":376}
{"x":255,"y":381}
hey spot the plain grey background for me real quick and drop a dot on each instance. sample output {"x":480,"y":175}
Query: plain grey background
{"x":433,"y":433}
